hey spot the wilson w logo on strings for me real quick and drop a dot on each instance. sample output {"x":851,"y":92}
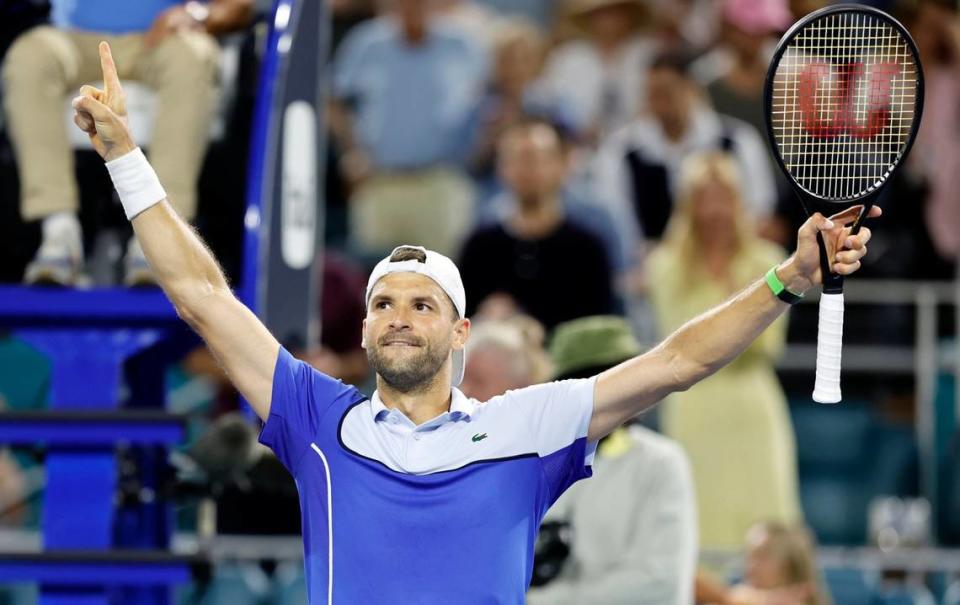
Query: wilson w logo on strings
{"x":846,"y":99}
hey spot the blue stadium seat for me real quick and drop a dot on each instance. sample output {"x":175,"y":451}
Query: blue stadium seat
{"x":895,"y":467}
{"x":289,"y":584}
{"x":950,"y":490}
{"x":18,"y":594}
{"x":952,"y":595}
{"x":832,"y":438}
{"x":848,"y":585}
{"x":900,"y":594}
{"x":835,"y":507}
{"x":232,"y":584}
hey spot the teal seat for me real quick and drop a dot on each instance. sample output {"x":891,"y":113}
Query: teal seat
{"x":18,"y":594}
{"x":232,"y":584}
{"x":900,"y":594}
{"x":952,"y":595}
{"x":848,"y":585}
{"x":289,"y":584}
{"x":832,"y":438}
{"x":836,"y":509}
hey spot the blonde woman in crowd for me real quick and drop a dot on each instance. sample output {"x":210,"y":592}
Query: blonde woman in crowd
{"x":707,"y":254}
{"x":780,"y":556}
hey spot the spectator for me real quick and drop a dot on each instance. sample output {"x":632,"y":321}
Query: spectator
{"x":935,"y":158}
{"x":600,"y":74}
{"x":530,"y":259}
{"x":518,"y":53}
{"x":708,"y":253}
{"x":504,"y":354}
{"x":638,"y":166}
{"x":405,"y":87}
{"x":347,"y":14}
{"x":734,"y":73}
{"x":781,"y":569}
{"x":13,"y":490}
{"x":169,"y":46}
{"x":779,"y":556}
{"x":472,"y":17}
{"x":633,"y":526}
{"x":688,"y":24}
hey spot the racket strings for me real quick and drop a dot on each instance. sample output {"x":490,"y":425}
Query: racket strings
{"x":843,"y":103}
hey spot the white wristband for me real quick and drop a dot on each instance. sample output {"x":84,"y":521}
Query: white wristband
{"x":136,"y":182}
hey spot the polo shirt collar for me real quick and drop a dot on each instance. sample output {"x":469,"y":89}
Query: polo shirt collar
{"x":461,"y":407}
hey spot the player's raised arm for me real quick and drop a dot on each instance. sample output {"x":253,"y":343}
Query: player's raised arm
{"x":707,"y":343}
{"x":184,"y":267}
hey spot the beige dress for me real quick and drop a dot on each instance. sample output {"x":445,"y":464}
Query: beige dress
{"x":735,"y":425}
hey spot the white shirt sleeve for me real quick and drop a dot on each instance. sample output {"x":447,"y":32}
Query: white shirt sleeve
{"x":557,"y":417}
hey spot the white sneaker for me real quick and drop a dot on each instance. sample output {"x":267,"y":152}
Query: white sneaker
{"x":136,"y":269}
{"x":60,"y":256}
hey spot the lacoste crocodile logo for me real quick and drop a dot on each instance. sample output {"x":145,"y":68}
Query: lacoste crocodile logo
{"x":479,"y":437}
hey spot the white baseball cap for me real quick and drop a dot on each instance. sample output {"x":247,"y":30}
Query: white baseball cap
{"x":441,"y":270}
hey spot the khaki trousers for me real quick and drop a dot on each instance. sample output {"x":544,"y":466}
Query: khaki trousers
{"x":45,"y":64}
{"x":431,"y":208}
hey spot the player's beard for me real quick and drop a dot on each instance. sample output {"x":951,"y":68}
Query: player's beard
{"x":411,"y":373}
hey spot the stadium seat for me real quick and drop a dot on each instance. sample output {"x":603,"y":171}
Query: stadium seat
{"x":831,"y":438}
{"x":18,"y":594}
{"x":950,"y":490}
{"x":848,"y":586}
{"x":289,"y":584}
{"x":232,"y":584}
{"x":901,"y":594}
{"x":895,"y":460}
{"x":835,"y":507}
{"x":952,"y":595}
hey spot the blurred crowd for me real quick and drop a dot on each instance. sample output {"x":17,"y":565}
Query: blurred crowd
{"x":600,"y":172}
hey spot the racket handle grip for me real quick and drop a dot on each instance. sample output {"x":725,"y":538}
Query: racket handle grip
{"x":829,"y":343}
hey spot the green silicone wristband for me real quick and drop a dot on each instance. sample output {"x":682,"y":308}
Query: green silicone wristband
{"x":778,"y":289}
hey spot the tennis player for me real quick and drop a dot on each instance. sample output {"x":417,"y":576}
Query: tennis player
{"x":419,"y":494}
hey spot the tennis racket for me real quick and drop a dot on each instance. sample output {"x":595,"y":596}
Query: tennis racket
{"x":842,"y":101}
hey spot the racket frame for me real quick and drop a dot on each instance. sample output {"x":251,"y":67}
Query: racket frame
{"x":811,"y":202}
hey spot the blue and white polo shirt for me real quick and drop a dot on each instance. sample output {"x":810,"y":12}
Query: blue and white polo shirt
{"x":445,"y":512}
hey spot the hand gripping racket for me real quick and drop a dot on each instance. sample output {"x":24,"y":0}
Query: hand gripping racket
{"x":842,"y":101}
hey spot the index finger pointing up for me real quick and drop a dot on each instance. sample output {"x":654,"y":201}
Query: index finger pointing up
{"x":111,"y":82}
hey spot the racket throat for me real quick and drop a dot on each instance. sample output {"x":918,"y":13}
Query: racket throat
{"x":832,"y":282}
{"x":867,"y":205}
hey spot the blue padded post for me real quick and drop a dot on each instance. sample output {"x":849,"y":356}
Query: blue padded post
{"x":87,"y":367}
